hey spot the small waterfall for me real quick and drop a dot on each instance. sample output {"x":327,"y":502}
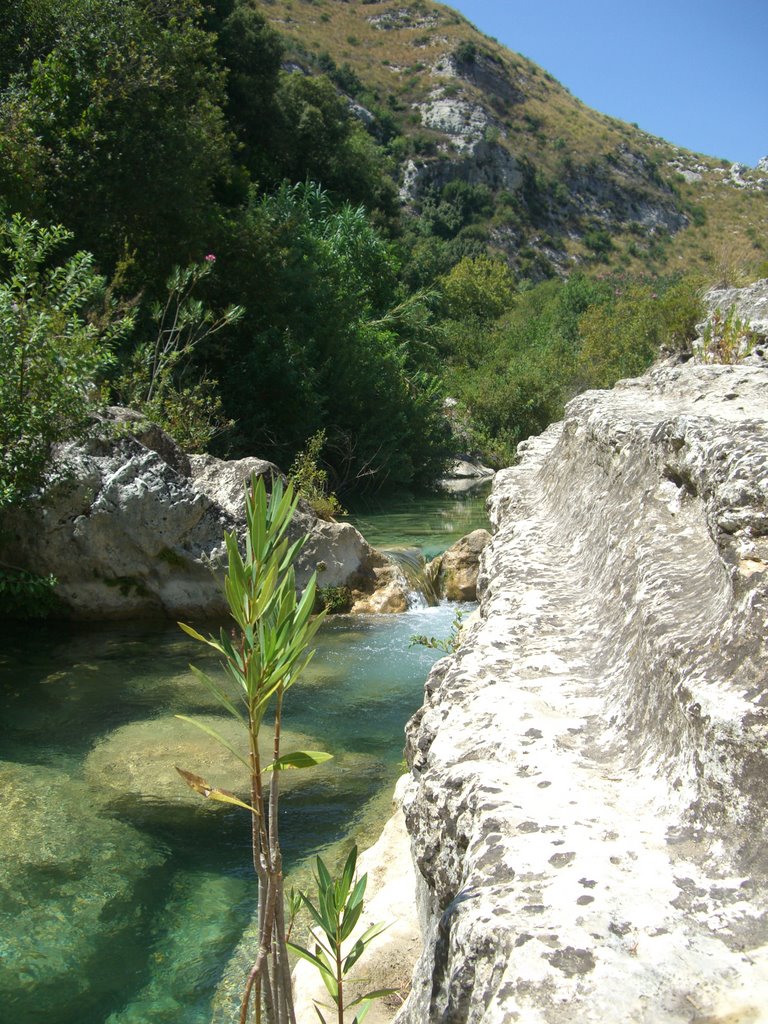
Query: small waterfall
{"x":420,"y":575}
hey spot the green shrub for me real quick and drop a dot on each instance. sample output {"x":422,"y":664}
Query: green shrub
{"x":727,"y":338}
{"x":311,"y":481}
{"x":335,"y":600}
{"x":156,"y":380}
{"x":465,"y":52}
{"x":23,"y":595}
{"x":57,"y":332}
{"x":449,"y":644}
{"x":622,"y":337}
{"x":338,"y":910}
{"x":599,"y":241}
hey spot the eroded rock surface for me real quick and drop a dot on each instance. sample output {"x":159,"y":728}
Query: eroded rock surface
{"x":130,"y":526}
{"x":588,"y":804}
{"x":460,"y":566}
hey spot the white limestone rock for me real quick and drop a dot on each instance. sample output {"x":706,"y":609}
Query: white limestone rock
{"x":588,"y":815}
{"x":468,"y":468}
{"x":403,"y":17}
{"x":130,"y":527}
{"x":465,"y":122}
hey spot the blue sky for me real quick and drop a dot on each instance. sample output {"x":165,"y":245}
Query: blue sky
{"x":695,"y":73}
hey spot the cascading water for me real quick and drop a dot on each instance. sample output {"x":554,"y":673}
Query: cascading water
{"x":420,"y":576}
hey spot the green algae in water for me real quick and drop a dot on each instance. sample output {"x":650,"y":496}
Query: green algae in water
{"x":126,"y":909}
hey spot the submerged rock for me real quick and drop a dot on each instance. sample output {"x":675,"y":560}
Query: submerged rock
{"x":588,"y":809}
{"x":130,"y":527}
{"x":199,"y":924}
{"x":138,"y":761}
{"x":70,"y":889}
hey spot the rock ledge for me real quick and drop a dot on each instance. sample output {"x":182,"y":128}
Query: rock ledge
{"x":588,"y":814}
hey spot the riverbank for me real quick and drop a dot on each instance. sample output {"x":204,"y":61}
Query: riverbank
{"x":588,"y":806}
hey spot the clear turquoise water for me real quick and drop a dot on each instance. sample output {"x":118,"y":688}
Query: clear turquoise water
{"x":124,"y":908}
{"x":430,"y":522}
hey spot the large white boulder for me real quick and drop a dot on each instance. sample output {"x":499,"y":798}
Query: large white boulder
{"x":130,"y":527}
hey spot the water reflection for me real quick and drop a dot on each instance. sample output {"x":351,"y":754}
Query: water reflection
{"x":430,"y":522}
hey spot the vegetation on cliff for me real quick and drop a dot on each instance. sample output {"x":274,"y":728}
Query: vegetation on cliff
{"x":229,"y":173}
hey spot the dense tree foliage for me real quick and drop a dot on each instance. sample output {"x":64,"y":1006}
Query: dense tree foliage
{"x":318,"y":348}
{"x":170,"y":141}
{"x":115,"y":127}
{"x":51,"y":351}
{"x":515,"y":359}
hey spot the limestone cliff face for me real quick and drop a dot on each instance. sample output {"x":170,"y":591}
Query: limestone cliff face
{"x":588,"y":801}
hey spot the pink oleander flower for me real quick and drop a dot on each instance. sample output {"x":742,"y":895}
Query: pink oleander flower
{"x":210,"y":258}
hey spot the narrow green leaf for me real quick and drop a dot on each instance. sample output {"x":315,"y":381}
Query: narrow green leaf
{"x":350,"y":919}
{"x":192,"y":632}
{"x":353,"y":956}
{"x":332,"y":985}
{"x":361,"y":945}
{"x":370,"y":933}
{"x":361,"y":1013}
{"x":358,"y":892}
{"x":218,"y":693}
{"x":377,"y":994}
{"x":299,"y":759}
{"x":315,"y":913}
{"x":217,"y":736}
{"x":199,"y":636}
{"x":349,"y":868}
{"x":311,"y":958}
{"x":323,"y":874}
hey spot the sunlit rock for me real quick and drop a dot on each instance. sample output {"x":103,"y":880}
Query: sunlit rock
{"x":389,"y":596}
{"x":588,"y":815}
{"x":130,"y":527}
{"x":460,"y":565}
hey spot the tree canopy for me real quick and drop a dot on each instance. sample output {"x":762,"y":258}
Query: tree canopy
{"x":158,"y":142}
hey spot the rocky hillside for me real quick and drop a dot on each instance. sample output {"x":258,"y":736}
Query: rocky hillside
{"x":588,"y":805}
{"x":489,"y":148}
